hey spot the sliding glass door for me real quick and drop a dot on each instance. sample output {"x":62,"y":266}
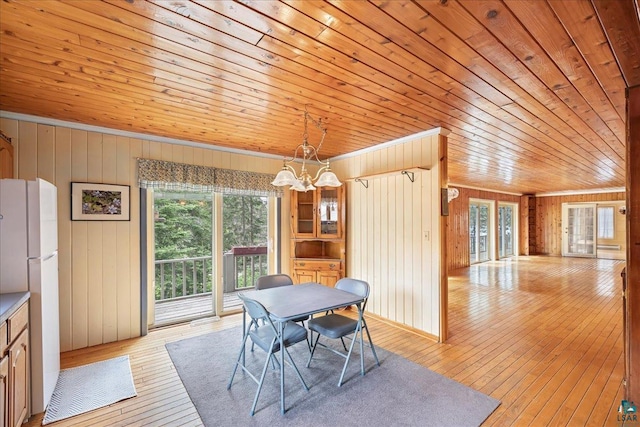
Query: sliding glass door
{"x":579,"y":226}
{"x":479,"y":231}
{"x":506,"y":230}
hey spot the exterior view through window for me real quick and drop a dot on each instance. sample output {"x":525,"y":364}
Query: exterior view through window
{"x":506,"y":230}
{"x":606,"y":225}
{"x":186,"y":233}
{"x":479,"y":227}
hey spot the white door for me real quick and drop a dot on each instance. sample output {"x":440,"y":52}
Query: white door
{"x":578,"y":229}
{"x":479,"y":231}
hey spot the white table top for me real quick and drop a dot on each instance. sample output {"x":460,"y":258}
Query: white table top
{"x":288,"y":302}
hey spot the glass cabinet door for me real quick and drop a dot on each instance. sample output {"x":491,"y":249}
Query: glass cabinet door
{"x":303,"y":214}
{"x":329,"y":212}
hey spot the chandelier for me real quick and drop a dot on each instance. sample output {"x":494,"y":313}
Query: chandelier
{"x":309,"y":154}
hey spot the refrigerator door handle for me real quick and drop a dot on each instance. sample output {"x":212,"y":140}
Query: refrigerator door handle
{"x":54,"y":253}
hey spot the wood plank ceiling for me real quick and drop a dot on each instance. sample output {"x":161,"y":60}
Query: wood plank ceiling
{"x":533,"y":92}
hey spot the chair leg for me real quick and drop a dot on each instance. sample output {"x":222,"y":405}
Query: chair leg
{"x":235,"y":366}
{"x":264,"y":372}
{"x":346,"y":362}
{"x":313,"y":348}
{"x":296,"y":369}
{"x":373,"y":349}
{"x":343,"y":344}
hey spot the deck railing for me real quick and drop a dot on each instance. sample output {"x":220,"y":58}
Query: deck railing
{"x":186,"y":277}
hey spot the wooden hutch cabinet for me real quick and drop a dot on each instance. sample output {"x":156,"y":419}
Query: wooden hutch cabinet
{"x":318,"y":235}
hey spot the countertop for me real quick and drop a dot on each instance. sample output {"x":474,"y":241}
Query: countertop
{"x":9,"y":303}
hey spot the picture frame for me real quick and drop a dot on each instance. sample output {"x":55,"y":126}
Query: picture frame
{"x":99,"y":202}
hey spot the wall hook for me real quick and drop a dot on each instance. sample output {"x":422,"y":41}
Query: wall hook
{"x":409,"y":174}
{"x":364,"y":182}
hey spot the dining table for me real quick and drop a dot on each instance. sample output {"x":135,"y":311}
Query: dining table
{"x":286,"y":303}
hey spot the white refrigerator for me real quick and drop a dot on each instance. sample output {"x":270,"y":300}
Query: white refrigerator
{"x":29,"y":262}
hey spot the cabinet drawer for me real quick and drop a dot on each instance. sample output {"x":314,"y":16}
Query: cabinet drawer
{"x":3,"y":338}
{"x":317,"y":265}
{"x":18,"y":321}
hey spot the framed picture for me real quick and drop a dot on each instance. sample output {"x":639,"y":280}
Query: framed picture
{"x":99,"y":202}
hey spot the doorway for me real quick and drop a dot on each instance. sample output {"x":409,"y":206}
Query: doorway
{"x":207,"y":248}
{"x":507,"y":226}
{"x":579,"y":226}
{"x":479,"y":231}
{"x":184,"y":270}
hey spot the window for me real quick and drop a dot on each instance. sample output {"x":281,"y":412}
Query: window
{"x":606,"y":225}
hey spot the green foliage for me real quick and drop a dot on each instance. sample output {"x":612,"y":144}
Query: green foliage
{"x":244,"y":221}
{"x":184,"y":229}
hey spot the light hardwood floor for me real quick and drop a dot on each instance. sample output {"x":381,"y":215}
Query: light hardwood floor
{"x":541,"y":334}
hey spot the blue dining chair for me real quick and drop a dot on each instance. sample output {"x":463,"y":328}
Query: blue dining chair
{"x":265,"y":335}
{"x":337,"y":326}
{"x":275,"y":281}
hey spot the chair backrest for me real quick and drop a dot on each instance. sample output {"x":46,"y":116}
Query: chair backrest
{"x":355,"y":286}
{"x":273,"y":281}
{"x":255,"y":310}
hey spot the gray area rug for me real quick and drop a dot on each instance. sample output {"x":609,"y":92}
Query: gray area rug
{"x":88,"y":387}
{"x":396,"y":393}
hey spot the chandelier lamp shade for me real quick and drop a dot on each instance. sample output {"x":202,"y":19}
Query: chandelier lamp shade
{"x":306,"y":154}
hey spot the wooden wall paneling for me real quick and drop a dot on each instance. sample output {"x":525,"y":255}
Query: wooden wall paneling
{"x":65,"y":288}
{"x":79,"y":247}
{"x":632,"y":350}
{"x":155,"y":150}
{"x":548,"y":219}
{"x":135,"y":151}
{"x":523,"y":225}
{"x":424,"y":257}
{"x":439,"y":245}
{"x":10,"y":128}
{"x":166,"y":152}
{"x":95,"y":301}
{"x":373,"y":241}
{"x":124,"y":255}
{"x":421,"y":282}
{"x":386,"y":234}
{"x":28,"y":139}
{"x":187,"y":155}
{"x":177,"y":153}
{"x":109,"y":238}
{"x":46,"y":153}
{"x":402,"y":249}
{"x":395,"y":248}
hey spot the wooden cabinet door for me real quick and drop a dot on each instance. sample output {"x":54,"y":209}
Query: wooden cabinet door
{"x":303,"y":214}
{"x":304,"y":276}
{"x":19,"y":380}
{"x":329,"y":212}
{"x":328,"y":278}
{"x":4,"y":391}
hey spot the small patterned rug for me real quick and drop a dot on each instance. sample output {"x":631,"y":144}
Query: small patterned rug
{"x":85,"y":388}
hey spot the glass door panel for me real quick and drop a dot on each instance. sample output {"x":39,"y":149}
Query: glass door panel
{"x":245,"y":237}
{"x":479,"y":228}
{"x":579,"y":225}
{"x":329,"y":210}
{"x":184,"y":267}
{"x":304,"y":214}
{"x":506,"y":230}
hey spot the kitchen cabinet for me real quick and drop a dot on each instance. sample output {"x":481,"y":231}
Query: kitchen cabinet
{"x":318,"y":242}
{"x":14,"y":368}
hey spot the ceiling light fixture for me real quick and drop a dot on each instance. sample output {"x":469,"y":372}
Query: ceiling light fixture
{"x":303,"y":181}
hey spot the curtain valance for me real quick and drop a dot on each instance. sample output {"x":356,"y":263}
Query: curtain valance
{"x":166,"y":175}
